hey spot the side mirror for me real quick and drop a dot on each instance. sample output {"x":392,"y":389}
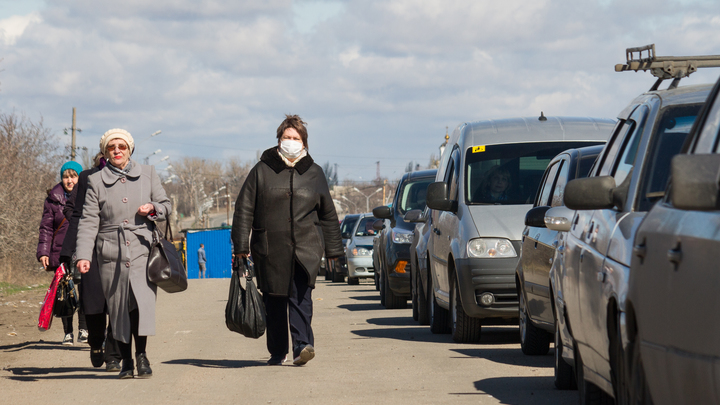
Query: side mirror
{"x":414,"y":216}
{"x":437,"y":197}
{"x":592,"y":193}
{"x":695,"y":182}
{"x":383,"y":212}
{"x":559,"y":218}
{"x":378,"y":225}
{"x":536,"y":217}
{"x":346,"y":235}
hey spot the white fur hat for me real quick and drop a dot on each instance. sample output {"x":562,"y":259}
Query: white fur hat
{"x":116,"y":133}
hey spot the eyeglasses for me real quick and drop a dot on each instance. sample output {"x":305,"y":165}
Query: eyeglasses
{"x":111,"y":148}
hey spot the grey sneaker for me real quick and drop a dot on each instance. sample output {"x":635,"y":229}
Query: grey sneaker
{"x":306,"y":354}
{"x":82,"y":336}
{"x":68,"y":340}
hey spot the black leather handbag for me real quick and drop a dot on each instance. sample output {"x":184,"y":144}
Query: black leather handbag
{"x":165,"y":268}
{"x":66,"y":302}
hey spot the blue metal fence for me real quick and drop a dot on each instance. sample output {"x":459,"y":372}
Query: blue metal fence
{"x":218,"y":251}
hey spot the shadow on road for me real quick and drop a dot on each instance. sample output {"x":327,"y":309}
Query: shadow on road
{"x":361,"y":307}
{"x":416,"y":334}
{"x":366,"y":298}
{"x":40,"y":345}
{"x":513,"y":356}
{"x":523,"y":390}
{"x":217,"y":363}
{"x":395,"y":321}
{"x":53,"y":373}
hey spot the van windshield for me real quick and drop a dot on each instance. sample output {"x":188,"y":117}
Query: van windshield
{"x":412,"y":194}
{"x":510,"y":174}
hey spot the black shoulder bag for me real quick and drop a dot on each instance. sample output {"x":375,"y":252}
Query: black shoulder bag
{"x":165,"y":268}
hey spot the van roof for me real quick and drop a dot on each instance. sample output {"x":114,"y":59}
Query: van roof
{"x":532,"y":129}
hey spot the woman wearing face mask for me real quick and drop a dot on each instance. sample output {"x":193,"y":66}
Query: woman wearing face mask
{"x":122,"y":202}
{"x":286,"y":203}
{"x":53,"y":228}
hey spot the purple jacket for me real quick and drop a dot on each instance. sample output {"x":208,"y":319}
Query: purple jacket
{"x":53,"y":226}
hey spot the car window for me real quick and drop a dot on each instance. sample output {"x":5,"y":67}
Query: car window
{"x":550,"y":176}
{"x":559,"y":189}
{"x":612,"y":148}
{"x":626,"y":162}
{"x":509,"y":173}
{"x":365,"y":228}
{"x":585,"y":165}
{"x":412,"y":194}
{"x":347,"y":225}
{"x":672,"y":129}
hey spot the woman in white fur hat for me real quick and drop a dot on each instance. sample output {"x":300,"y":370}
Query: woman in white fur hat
{"x":123,"y":201}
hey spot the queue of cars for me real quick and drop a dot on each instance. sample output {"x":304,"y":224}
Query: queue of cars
{"x":615,"y":262}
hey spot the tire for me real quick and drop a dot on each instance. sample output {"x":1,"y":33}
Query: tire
{"x":590,"y":394}
{"x":464,"y":328}
{"x":533,"y":340}
{"x":422,"y":303}
{"x":328,"y":272}
{"x":381,"y":288}
{"x":618,"y":369}
{"x":414,"y":292}
{"x":377,"y":281}
{"x":392,"y":301}
{"x":564,"y":373}
{"x":437,"y":314}
{"x":353,"y":280}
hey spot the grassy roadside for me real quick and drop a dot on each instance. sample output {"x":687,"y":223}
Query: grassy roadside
{"x":7,"y":289}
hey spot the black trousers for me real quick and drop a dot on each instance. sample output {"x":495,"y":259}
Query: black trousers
{"x":68,"y":320}
{"x":298,"y":309}
{"x":96,"y":336}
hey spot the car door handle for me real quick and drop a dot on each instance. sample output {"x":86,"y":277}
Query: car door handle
{"x":601,"y":276}
{"x":640,"y":250}
{"x":437,"y":231}
{"x":674,"y":255}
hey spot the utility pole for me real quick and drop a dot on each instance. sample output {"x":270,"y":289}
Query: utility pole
{"x":227,"y":206}
{"x":378,"y":170}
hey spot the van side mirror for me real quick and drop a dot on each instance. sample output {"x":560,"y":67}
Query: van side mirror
{"x":414,"y":216}
{"x":378,"y":225}
{"x":591,"y":193}
{"x":536,"y":217}
{"x":695,"y":182}
{"x":346,"y":235}
{"x":437,"y":197}
{"x":383,"y":212}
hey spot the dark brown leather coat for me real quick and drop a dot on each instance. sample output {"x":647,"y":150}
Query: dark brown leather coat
{"x":292,"y":217}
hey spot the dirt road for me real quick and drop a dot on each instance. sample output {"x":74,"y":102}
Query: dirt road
{"x":365,"y":355}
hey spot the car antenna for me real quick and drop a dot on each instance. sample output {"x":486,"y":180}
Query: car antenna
{"x":665,"y":67}
{"x":542,"y":117}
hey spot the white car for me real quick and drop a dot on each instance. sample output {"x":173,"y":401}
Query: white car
{"x":359,"y":250}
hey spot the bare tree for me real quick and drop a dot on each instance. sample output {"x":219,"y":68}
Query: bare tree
{"x":28,"y":169}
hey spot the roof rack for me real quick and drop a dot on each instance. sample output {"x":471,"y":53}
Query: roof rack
{"x":665,"y":67}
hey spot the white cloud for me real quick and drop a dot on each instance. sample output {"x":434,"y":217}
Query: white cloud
{"x":12,"y":28}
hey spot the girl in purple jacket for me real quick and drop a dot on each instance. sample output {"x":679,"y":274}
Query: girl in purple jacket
{"x":53,"y":227}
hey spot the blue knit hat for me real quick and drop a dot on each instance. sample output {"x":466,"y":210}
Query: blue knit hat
{"x":71,"y":165}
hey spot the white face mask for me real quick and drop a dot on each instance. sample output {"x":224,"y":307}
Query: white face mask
{"x":291,"y":149}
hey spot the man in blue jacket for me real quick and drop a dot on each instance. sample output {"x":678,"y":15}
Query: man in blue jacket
{"x":201,"y":261}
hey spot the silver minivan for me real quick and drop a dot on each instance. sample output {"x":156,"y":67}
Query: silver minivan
{"x":487,"y":180}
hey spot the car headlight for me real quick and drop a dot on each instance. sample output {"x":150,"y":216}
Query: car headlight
{"x":361,"y":252}
{"x":490,"y":248}
{"x":402,"y":237}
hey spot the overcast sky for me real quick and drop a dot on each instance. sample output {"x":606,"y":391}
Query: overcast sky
{"x":375,"y":80}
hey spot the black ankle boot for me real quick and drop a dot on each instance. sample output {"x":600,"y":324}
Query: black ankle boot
{"x":143,"y":369}
{"x":128,"y":366}
{"x":97,"y":357}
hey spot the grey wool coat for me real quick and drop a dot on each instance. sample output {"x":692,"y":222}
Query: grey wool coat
{"x":111,"y":226}
{"x":292,"y":218}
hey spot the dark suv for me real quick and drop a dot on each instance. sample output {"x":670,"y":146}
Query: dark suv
{"x":392,"y":253}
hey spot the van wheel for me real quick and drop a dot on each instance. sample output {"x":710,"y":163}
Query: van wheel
{"x":353,"y":280}
{"x":465,"y":329}
{"x":337,"y":277}
{"x":377,"y":281}
{"x":533,"y":340}
{"x":422,"y":302}
{"x":414,"y":294}
{"x":637,"y":385}
{"x":590,"y":394}
{"x":381,"y":287}
{"x":392,"y":301}
{"x":564,"y":373}
{"x":438,"y":314}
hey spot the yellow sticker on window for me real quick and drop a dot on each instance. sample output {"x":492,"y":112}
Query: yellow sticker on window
{"x":477,"y":149}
